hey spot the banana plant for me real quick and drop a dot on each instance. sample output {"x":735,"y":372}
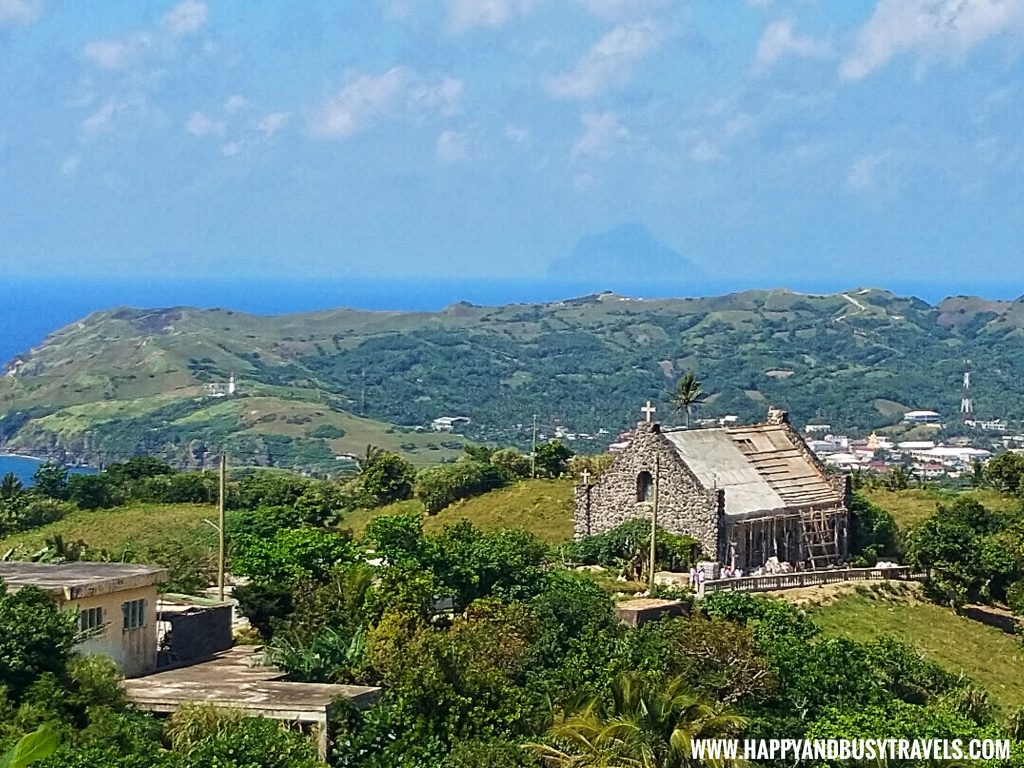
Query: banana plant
{"x":31,"y":748}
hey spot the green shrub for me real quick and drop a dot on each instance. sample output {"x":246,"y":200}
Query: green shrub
{"x":327,"y":432}
{"x":631,"y":541}
{"x":439,"y":487}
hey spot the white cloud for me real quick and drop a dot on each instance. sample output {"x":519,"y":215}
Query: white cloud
{"x":112,"y":54}
{"x":601,"y":132}
{"x":451,"y":148}
{"x":619,"y":9}
{"x":235,"y":104}
{"x":273,"y":123}
{"x":608,"y":62}
{"x":100,"y":120}
{"x":706,"y":151}
{"x":69,"y":166}
{"x":187,"y":16}
{"x":464,"y":15}
{"x":232,"y":149}
{"x":719,"y":128}
{"x":399,"y":91}
{"x":201,"y":124}
{"x":18,"y":12}
{"x":870,"y":171}
{"x":931,"y":29}
{"x":518,"y":134}
{"x":779,"y":41}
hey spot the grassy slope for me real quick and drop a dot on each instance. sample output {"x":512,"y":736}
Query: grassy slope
{"x":985,"y":654}
{"x":255,"y":416}
{"x":913,"y":505}
{"x":543,"y":507}
{"x":138,"y":526}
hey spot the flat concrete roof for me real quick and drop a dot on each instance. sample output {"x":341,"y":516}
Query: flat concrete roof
{"x":235,"y":679}
{"x":75,"y":581}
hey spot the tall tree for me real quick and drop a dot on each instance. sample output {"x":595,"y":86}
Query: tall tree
{"x":687,"y":394}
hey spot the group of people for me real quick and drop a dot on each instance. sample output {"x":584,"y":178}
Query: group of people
{"x":698,"y":575}
{"x":732,"y":573}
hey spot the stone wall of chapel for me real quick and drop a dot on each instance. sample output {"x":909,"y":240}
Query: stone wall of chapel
{"x":684,"y":505}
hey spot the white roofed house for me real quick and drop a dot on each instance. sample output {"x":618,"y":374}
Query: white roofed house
{"x":115,"y":604}
{"x":746,"y":493}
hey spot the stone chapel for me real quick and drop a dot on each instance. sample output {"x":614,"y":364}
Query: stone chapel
{"x":745,"y":493}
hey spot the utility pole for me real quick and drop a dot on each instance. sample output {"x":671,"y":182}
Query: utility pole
{"x":220,"y":528}
{"x":533,"y":451}
{"x":654,"y":521}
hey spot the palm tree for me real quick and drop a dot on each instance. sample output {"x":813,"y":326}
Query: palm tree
{"x":372,"y":454}
{"x":10,"y":486}
{"x":687,"y":394}
{"x":640,"y":725}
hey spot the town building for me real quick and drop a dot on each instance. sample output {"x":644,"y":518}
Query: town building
{"x":449,"y":423}
{"x":922,"y":417}
{"x":115,"y":603}
{"x":745,"y":493}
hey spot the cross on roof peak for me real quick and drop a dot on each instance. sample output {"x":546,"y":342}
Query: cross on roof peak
{"x":586,"y":477}
{"x":648,"y":411}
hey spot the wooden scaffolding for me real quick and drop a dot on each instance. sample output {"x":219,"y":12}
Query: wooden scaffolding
{"x":820,"y":533}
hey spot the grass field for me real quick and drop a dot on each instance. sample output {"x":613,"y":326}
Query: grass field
{"x":137,"y":527}
{"x":985,"y":654}
{"x":543,"y":507}
{"x":913,"y":505}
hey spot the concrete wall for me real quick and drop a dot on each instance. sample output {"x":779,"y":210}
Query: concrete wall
{"x":684,"y":505}
{"x":199,"y":633}
{"x":133,"y":650}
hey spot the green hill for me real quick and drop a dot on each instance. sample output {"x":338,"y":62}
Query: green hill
{"x":543,"y":507}
{"x":132,"y":529}
{"x":913,"y":505}
{"x":128,"y":380}
{"x":993,"y":658}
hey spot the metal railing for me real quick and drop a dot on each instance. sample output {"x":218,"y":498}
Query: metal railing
{"x":777,"y":581}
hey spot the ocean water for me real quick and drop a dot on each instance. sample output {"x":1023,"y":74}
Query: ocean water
{"x":31,"y":308}
{"x":24,"y":467}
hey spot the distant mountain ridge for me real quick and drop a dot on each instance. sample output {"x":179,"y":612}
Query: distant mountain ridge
{"x":128,"y":380}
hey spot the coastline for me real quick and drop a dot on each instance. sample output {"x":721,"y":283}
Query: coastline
{"x":69,"y":461}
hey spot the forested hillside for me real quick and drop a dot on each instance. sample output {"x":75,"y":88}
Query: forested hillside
{"x":127,"y":380}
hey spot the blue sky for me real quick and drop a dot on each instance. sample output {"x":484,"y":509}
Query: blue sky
{"x":765,"y":141}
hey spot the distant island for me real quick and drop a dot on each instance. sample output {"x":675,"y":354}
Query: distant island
{"x":313,"y":390}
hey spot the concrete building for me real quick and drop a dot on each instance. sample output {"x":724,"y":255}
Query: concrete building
{"x":449,"y":423}
{"x":115,"y":603}
{"x":922,"y":417}
{"x":745,"y":493}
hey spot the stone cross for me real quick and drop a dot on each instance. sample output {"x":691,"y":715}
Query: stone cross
{"x":648,"y":411}
{"x":586,"y":477}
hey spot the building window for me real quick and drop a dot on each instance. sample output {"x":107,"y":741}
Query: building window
{"x":644,"y":486}
{"x":90,"y":619}
{"x":134,"y":614}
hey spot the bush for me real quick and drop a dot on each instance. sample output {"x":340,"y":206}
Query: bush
{"x":327,"y":432}
{"x":439,"y":487}
{"x":39,"y":512}
{"x":512,"y":464}
{"x":632,"y":541}
{"x":35,"y":638}
{"x":388,"y":477}
{"x":249,"y":742}
{"x":1015,"y":597}
{"x":874,"y":534}
{"x":92,"y":491}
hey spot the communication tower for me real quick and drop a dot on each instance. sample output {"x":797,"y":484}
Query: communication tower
{"x":966,"y":401}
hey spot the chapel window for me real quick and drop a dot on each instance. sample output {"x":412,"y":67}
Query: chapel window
{"x":644,"y":486}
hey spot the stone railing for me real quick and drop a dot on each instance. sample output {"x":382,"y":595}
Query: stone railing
{"x":808,"y":579}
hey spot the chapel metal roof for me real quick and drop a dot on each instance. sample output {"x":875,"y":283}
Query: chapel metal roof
{"x":760,"y":467}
